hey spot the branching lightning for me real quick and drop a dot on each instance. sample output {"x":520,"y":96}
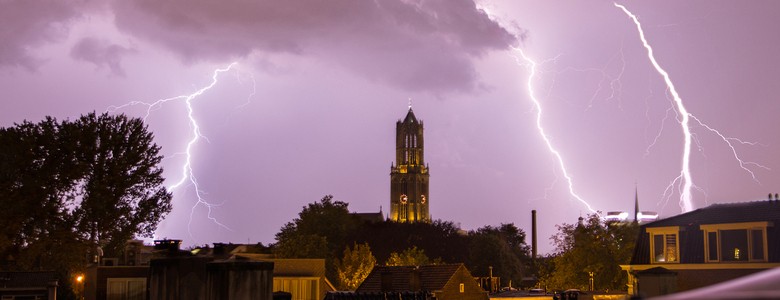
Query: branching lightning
{"x":187,"y":174}
{"x":684,"y":181}
{"x":538,"y":106}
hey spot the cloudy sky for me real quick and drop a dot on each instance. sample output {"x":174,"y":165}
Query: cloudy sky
{"x":310,"y":105}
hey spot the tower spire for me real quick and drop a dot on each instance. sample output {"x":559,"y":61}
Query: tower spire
{"x":636,"y":203}
{"x":410,"y":103}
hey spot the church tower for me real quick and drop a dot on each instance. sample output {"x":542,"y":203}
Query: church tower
{"x":409,"y":201}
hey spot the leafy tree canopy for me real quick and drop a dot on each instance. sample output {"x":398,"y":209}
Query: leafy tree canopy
{"x":590,"y":246}
{"x":354,"y":266}
{"x":410,"y":257}
{"x":503,"y":248}
{"x":325,"y":222}
{"x":67,"y":187}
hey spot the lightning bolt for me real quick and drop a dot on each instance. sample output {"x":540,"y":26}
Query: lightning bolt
{"x":540,"y":128}
{"x":187,"y":174}
{"x":684,"y":181}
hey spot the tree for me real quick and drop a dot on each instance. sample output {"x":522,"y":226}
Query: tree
{"x":66,"y":187}
{"x":354,"y":266}
{"x":503,"y":248}
{"x":590,"y":246}
{"x":36,"y":175}
{"x":320,"y":231}
{"x":410,"y":257}
{"x":327,"y":218}
{"x":123,"y":193}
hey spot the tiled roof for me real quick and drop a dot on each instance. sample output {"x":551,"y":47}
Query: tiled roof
{"x":724,"y":213}
{"x":308,"y":267}
{"x":26,"y":279}
{"x":432,"y":277}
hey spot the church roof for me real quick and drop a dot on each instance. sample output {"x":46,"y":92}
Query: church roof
{"x":410,"y":118}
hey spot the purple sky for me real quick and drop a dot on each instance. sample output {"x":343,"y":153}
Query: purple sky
{"x":311,"y":106}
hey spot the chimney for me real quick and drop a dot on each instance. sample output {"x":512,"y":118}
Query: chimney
{"x":533,"y":234}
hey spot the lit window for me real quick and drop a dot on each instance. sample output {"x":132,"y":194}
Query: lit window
{"x":737,"y":242}
{"x":305,"y":288}
{"x":664,"y":245}
{"x":462,"y":288}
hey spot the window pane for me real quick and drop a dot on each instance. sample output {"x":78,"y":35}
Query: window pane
{"x":712,"y":243}
{"x":136,"y":289}
{"x":671,"y":247}
{"x":295,"y":289}
{"x":314,"y":293}
{"x":658,"y":247}
{"x":305,"y":287}
{"x":116,"y":290}
{"x":734,"y":245}
{"x":757,"y":247}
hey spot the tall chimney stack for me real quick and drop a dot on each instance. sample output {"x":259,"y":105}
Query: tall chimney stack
{"x":533,"y":234}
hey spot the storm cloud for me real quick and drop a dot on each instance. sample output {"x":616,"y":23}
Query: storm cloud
{"x":415,"y":45}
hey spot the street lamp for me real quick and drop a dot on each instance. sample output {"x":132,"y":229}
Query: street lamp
{"x":80,"y":285}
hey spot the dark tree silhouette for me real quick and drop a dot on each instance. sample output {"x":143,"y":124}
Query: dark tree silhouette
{"x":69,"y":186}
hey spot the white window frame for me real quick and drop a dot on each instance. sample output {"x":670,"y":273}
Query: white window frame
{"x":125,"y":281}
{"x":747,"y":226}
{"x":664,"y":231}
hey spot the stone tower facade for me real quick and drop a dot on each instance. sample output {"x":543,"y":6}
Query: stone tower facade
{"x":409,"y":200}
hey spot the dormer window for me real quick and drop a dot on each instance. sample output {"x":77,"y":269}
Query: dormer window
{"x":664,"y":244}
{"x":735,"y":242}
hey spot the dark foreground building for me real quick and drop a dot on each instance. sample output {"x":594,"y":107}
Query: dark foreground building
{"x":28,"y":285}
{"x":704,"y":247}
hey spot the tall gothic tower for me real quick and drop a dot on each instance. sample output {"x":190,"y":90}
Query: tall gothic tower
{"x":409,"y":201}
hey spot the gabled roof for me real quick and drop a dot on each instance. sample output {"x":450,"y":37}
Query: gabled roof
{"x":375,"y":217}
{"x":432,"y":277}
{"x":724,"y":213}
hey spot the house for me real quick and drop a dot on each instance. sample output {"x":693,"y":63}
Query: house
{"x":303,"y":278}
{"x":448,"y":281}
{"x":164,"y":271}
{"x":28,"y":285}
{"x":704,"y":247}
{"x":123,"y":277}
{"x":761,"y":285}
